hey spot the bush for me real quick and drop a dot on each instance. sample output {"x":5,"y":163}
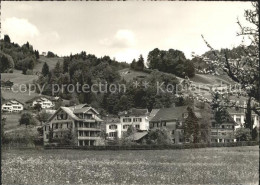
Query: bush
{"x":243,"y":134}
{"x":27,"y":119}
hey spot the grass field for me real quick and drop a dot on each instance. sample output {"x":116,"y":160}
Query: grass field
{"x":18,"y":78}
{"x":237,"y":165}
{"x":50,"y":61}
{"x":129,"y":74}
{"x":12,"y":120}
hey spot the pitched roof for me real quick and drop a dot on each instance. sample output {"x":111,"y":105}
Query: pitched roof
{"x":112,"y":120}
{"x":134,"y":112}
{"x":37,"y":97}
{"x":51,"y":98}
{"x":153,"y":113}
{"x":138,"y":135}
{"x":11,"y":101}
{"x":84,"y":109}
{"x":168,"y":114}
{"x":71,"y":112}
{"x":236,"y":111}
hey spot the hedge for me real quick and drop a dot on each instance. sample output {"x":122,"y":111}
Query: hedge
{"x":156,"y":147}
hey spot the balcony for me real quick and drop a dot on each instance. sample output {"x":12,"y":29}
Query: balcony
{"x":89,"y":129}
{"x":88,"y":137}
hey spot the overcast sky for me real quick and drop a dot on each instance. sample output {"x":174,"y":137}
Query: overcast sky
{"x":123,"y":30}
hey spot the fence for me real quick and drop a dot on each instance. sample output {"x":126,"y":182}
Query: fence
{"x":156,"y":147}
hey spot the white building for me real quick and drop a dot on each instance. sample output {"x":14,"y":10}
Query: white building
{"x":138,"y":118}
{"x":81,"y":120}
{"x":239,"y":116}
{"x":12,"y":106}
{"x":46,"y":103}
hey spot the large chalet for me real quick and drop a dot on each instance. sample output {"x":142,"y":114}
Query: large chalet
{"x":82,"y":120}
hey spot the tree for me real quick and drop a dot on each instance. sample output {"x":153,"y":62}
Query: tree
{"x":45,"y":69}
{"x":159,"y":136}
{"x":36,"y":53}
{"x":7,"y":39}
{"x":140,"y":64}
{"x":66,"y":65}
{"x":50,"y":54}
{"x":4,"y":64}
{"x":245,"y":70}
{"x":57,"y":69}
{"x":27,"y":45}
{"x":27,"y":119}
{"x":38,"y":107}
{"x":248,"y":116}
{"x":3,"y":121}
{"x":43,"y":116}
{"x":255,"y":134}
{"x":127,"y":138}
{"x":243,"y":134}
{"x":191,"y":127}
{"x":133,"y":64}
{"x":220,"y":111}
{"x":171,"y":61}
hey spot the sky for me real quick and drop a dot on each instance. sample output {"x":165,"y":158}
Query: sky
{"x":123,"y":30}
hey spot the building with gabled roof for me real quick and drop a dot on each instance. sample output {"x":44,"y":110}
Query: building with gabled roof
{"x":12,"y":105}
{"x":81,"y":120}
{"x":44,"y":101}
{"x":224,"y":132}
{"x":239,"y":115}
{"x":137,"y":118}
{"x":172,"y":119}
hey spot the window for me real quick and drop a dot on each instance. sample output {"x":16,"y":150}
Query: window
{"x":56,"y":125}
{"x":112,"y":127}
{"x":214,"y":133}
{"x":137,"y":126}
{"x":45,"y":128}
{"x":238,"y":120}
{"x":164,"y":123}
{"x":47,"y":136}
{"x":127,"y":119}
{"x":137,"y":119}
{"x":125,"y":126}
{"x":112,"y":134}
{"x":222,"y":126}
{"x":173,"y":132}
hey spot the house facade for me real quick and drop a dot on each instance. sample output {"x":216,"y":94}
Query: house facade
{"x":137,"y":118}
{"x":224,"y":132}
{"x":239,"y":116}
{"x":82,"y":121}
{"x":172,"y":119}
{"x":7,"y":84}
{"x":45,"y":102}
{"x":12,"y":106}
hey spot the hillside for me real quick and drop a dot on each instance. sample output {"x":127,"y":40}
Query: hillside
{"x":50,"y":61}
{"x":128,"y":74}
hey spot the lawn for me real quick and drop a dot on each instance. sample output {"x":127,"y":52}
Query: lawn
{"x":12,"y":120}
{"x":236,"y":165}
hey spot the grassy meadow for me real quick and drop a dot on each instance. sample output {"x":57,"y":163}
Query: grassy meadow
{"x":236,"y":165}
